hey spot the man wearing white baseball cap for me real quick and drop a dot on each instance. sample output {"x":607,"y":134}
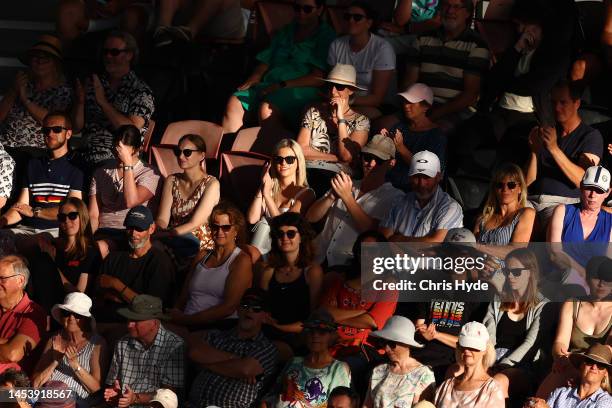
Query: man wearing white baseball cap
{"x":164,"y":398}
{"x":570,"y":223}
{"x":426,"y":213}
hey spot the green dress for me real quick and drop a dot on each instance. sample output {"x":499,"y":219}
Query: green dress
{"x":289,"y":60}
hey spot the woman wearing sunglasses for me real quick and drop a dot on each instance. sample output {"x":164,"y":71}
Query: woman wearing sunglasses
{"x":291,"y":276}
{"x":371,"y":55}
{"x":213,"y":289}
{"x":68,"y":261}
{"x":289,"y":71}
{"x":403,"y":381}
{"x":307,"y":381}
{"x":118,"y":186}
{"x":77,"y":355}
{"x":518,"y":325}
{"x":187,"y":200}
{"x":283,"y":188}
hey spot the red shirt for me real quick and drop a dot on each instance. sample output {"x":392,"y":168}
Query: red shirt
{"x":25,"y":318}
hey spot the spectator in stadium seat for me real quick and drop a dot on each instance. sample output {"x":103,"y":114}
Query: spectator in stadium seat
{"x":518,"y":325}
{"x":143,"y":269}
{"x":289,"y":72}
{"x":106,"y":103}
{"x":403,"y":381}
{"x":68,"y":263}
{"x":291,"y":276}
{"x":48,"y":181}
{"x":352,"y":207}
{"x":577,"y":224}
{"x":237,"y":364}
{"x":123,"y":183}
{"x":35,"y":93}
{"x":187,"y":201}
{"x":217,"y":19}
{"x":370,"y":54}
{"x":76,"y":355}
{"x":561,"y":153}
{"x":410,"y":17}
{"x":23,"y":322}
{"x":343,"y":397}
{"x":426,"y":213}
{"x":473,"y":388}
{"x":147,"y":359}
{"x":294,"y":386}
{"x":415,"y":133}
{"x":455,"y":80}
{"x":212,"y":290}
{"x":582,"y":323}
{"x":284,"y":187}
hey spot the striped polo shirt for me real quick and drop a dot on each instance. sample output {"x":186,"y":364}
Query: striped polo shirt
{"x":442,"y":64}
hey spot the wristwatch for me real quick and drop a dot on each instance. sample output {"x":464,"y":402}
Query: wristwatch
{"x":340,"y":121}
{"x":126,"y":168}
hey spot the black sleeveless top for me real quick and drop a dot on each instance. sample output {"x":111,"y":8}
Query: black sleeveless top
{"x":290,"y":301}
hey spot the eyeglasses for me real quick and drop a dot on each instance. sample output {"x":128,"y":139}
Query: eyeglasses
{"x":339,"y":87}
{"x":355,"y":17}
{"x":280,"y":159}
{"x":306,"y":9}
{"x":516,"y":272}
{"x":55,"y":129}
{"x":68,"y":313}
{"x":62,"y":217}
{"x":5,"y":278}
{"x":511,"y":185}
{"x":253,"y":308}
{"x":590,"y":363}
{"x":602,"y":282}
{"x":281,"y":234}
{"x":217,"y":227}
{"x":185,"y":152}
{"x":137,"y":229}
{"x":114,"y":51}
{"x":368,"y":157}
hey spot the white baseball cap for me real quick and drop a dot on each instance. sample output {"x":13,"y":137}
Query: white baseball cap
{"x":598,"y":177}
{"x":426,"y":163}
{"x":167,"y":398}
{"x":460,"y":236}
{"x":474,"y":335}
{"x":417,"y":93}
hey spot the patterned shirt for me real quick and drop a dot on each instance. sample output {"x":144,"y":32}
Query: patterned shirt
{"x":213,"y":389}
{"x":390,"y":390}
{"x":489,"y":395}
{"x":20,"y":129}
{"x":146,"y":370}
{"x":133,"y":97}
{"x":7,"y":166}
{"x":566,"y":397}
{"x":407,"y":218}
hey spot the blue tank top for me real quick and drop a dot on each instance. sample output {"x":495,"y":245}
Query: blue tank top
{"x":573,"y":235}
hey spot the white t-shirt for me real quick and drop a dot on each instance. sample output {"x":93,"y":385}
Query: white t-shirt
{"x":376,"y":55}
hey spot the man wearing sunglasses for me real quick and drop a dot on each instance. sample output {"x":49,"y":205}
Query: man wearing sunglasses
{"x":142,"y":269}
{"x":351,"y":208}
{"x":236,"y":363}
{"x":426,"y":213}
{"x":47,"y":182}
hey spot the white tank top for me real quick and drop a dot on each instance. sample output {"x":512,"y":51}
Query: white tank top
{"x":207,"y":285}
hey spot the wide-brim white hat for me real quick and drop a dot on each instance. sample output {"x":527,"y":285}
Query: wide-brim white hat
{"x":344,"y":74}
{"x":75,"y":302}
{"x":399,"y":329}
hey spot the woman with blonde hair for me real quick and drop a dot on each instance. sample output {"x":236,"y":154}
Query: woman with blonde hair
{"x":283,"y":188}
{"x":473,"y":387}
{"x":516,"y":324}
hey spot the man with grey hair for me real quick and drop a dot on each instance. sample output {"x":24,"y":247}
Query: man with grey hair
{"x":22,"y":322}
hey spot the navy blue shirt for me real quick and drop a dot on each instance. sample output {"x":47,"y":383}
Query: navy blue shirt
{"x":49,"y":181}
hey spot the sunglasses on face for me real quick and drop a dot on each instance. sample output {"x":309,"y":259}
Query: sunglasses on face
{"x":339,"y":87}
{"x":589,"y":363}
{"x":306,"y":9}
{"x":368,"y":157}
{"x":381,"y":344}
{"x":511,"y":185}
{"x":217,"y":227}
{"x":280,"y":159}
{"x":68,"y":313}
{"x":137,"y":229}
{"x":55,"y":129}
{"x":289,"y":234}
{"x":62,"y":217}
{"x":252,"y":308}
{"x":355,"y":17}
{"x":113,"y":51}
{"x":185,"y":152}
{"x":516,"y":272}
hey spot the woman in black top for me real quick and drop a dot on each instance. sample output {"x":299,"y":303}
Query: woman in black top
{"x":66,"y":263}
{"x":292,"y":278}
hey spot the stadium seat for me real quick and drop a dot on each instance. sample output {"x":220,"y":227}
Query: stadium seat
{"x":336,"y":19}
{"x":240,"y":176}
{"x":259,"y":139}
{"x":211,"y":132}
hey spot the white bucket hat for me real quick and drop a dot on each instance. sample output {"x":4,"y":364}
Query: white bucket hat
{"x":474,"y":335}
{"x":399,"y":329}
{"x":75,"y":302}
{"x":167,"y":398}
{"x":344,"y":74}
